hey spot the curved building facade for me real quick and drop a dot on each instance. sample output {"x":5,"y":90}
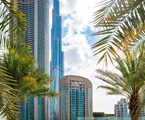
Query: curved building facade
{"x":76,"y":98}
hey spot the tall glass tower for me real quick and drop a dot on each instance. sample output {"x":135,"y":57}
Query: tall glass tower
{"x":36,"y":35}
{"x":56,"y":64}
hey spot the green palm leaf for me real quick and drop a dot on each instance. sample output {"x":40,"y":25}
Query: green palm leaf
{"x":43,"y":92}
{"x":119,"y":22}
{"x":8,"y":99}
{"x":30,"y":81}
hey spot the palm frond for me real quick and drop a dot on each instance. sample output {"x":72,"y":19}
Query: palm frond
{"x":111,"y":90}
{"x":123,"y":67}
{"x":8,"y":99}
{"x":114,"y":80}
{"x":119,"y":22}
{"x":110,"y":78}
{"x":43,"y":92}
{"x":9,"y":109}
{"x":43,"y":79}
{"x":12,"y":21}
{"x":139,"y":43}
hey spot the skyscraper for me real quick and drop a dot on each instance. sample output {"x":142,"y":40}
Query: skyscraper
{"x":121,"y":110}
{"x":75,"y":98}
{"x":56,"y":64}
{"x":36,"y":35}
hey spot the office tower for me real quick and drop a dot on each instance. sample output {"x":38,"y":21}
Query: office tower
{"x":36,"y":35}
{"x":75,"y":98}
{"x":121,"y":110}
{"x":56,"y":64}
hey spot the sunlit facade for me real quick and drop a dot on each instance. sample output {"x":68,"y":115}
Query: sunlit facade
{"x":36,"y":35}
{"x":75,"y":98}
{"x":56,"y":64}
{"x":121,"y":110}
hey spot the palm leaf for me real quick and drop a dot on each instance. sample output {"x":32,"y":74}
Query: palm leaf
{"x":122,"y":21}
{"x":44,"y":92}
{"x":8,"y":99}
{"x":111,"y":90}
{"x":12,"y":21}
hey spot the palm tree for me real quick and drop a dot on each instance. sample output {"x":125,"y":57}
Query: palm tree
{"x":18,"y":76}
{"x":8,"y":109}
{"x":11,"y":19}
{"x":130,"y":83}
{"x":20,"y":63}
{"x":29,"y":80}
{"x":121,"y":25}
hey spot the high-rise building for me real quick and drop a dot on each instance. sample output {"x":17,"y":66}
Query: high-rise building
{"x":121,"y":110}
{"x":56,"y":64}
{"x":75,"y":98}
{"x":36,"y":35}
{"x":142,"y":113}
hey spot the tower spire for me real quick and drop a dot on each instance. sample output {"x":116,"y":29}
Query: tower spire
{"x":56,"y":65}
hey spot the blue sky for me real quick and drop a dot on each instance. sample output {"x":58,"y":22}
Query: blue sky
{"x":77,"y":40}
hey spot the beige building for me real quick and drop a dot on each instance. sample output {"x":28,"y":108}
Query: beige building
{"x":76,"y":97}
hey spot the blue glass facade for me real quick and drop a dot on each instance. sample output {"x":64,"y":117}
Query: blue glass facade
{"x":28,"y":9}
{"x":77,"y":103}
{"x":37,"y":36}
{"x":64,"y":101}
{"x":75,"y":98}
{"x":121,"y":110}
{"x":56,"y":64}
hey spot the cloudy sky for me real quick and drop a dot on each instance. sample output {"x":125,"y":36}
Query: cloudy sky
{"x":77,"y":39}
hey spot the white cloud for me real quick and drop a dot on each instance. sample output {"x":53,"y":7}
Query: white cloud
{"x":79,"y":12}
{"x":77,"y":51}
{"x":73,"y":57}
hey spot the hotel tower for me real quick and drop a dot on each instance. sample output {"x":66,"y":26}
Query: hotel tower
{"x":36,"y":35}
{"x":75,"y":98}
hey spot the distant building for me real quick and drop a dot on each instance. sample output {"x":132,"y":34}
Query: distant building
{"x":142,"y":112}
{"x":98,"y":114}
{"x":75,"y":98}
{"x":103,"y":116}
{"x":121,"y":110}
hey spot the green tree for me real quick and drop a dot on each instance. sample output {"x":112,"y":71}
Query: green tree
{"x":8,"y":108}
{"x":11,"y":21}
{"x":130,"y":83}
{"x":30,"y":81}
{"x":121,"y":25}
{"x":19,"y":78}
